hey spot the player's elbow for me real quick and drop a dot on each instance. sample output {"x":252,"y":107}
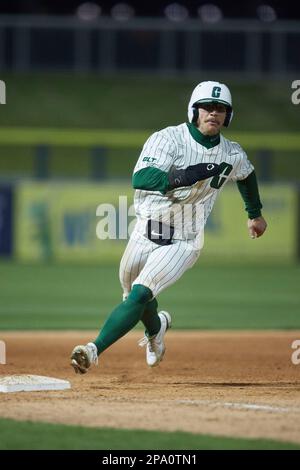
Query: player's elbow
{"x":138,"y":182}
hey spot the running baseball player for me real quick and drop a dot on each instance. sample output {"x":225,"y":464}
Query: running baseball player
{"x":178,"y":176}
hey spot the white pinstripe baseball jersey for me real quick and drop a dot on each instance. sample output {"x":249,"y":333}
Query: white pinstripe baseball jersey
{"x":175,"y":146}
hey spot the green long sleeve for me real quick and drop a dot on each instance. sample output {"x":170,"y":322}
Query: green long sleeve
{"x":250,"y":194}
{"x":151,"y":179}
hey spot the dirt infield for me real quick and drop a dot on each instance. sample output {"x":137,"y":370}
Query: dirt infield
{"x":234,"y":383}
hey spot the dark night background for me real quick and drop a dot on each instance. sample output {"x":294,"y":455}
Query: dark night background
{"x":284,"y":9}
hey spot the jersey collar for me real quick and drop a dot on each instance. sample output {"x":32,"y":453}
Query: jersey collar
{"x":206,"y":140}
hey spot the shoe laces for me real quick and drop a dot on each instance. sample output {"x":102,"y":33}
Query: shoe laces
{"x":146,"y":340}
{"x":94,"y":354}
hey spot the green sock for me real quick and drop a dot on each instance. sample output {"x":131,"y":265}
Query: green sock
{"x":151,"y":319}
{"x":123,"y":318}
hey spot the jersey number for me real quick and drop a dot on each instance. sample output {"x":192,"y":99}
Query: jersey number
{"x":220,"y":179}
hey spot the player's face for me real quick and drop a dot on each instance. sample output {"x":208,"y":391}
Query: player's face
{"x":211,"y":118}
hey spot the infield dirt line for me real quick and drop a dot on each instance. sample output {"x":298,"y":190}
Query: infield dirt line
{"x":211,"y":404}
{"x":240,"y":406}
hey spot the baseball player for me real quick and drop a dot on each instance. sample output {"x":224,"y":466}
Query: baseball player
{"x":178,"y":176}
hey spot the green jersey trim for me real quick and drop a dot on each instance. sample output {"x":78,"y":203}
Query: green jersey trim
{"x":206,"y":140}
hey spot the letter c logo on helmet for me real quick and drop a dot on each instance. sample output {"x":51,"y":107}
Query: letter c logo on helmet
{"x":216,"y":91}
{"x":210,"y":92}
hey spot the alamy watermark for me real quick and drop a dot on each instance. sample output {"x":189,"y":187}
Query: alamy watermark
{"x":114,"y":221}
{"x":2,"y":92}
{"x":296,"y":354}
{"x":296,"y":94}
{"x":179,"y":221}
{"x":2,"y":352}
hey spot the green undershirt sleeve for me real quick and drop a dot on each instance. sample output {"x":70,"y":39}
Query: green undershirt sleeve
{"x":151,"y":179}
{"x":154,"y":179}
{"x":249,"y":192}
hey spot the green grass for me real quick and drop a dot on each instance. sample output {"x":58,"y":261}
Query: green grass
{"x":124,"y":101}
{"x":40,"y":436}
{"x":209,"y":296}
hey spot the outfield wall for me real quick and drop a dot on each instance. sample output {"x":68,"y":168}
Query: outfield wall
{"x":98,"y":154}
{"x":58,"y":222}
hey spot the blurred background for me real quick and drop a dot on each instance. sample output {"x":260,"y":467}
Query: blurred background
{"x":86,"y":84}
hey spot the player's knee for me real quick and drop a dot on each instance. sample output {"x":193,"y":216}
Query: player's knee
{"x":140,"y":294}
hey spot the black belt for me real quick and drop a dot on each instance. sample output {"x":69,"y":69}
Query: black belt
{"x":159,"y":233}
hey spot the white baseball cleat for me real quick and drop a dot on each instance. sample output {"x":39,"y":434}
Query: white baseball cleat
{"x":155,"y":346}
{"x":83,"y":357}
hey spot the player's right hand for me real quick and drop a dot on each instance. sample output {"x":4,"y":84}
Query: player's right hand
{"x":256,"y":227}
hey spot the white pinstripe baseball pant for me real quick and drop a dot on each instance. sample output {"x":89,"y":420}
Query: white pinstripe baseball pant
{"x":154,"y":266}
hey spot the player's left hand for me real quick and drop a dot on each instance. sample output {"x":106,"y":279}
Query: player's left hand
{"x":256,"y":227}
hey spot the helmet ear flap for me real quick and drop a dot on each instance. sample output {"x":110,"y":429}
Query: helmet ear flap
{"x":228,"y":117}
{"x":195,"y":114}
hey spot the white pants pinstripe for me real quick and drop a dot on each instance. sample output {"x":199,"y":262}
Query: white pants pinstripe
{"x":155,"y":266}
